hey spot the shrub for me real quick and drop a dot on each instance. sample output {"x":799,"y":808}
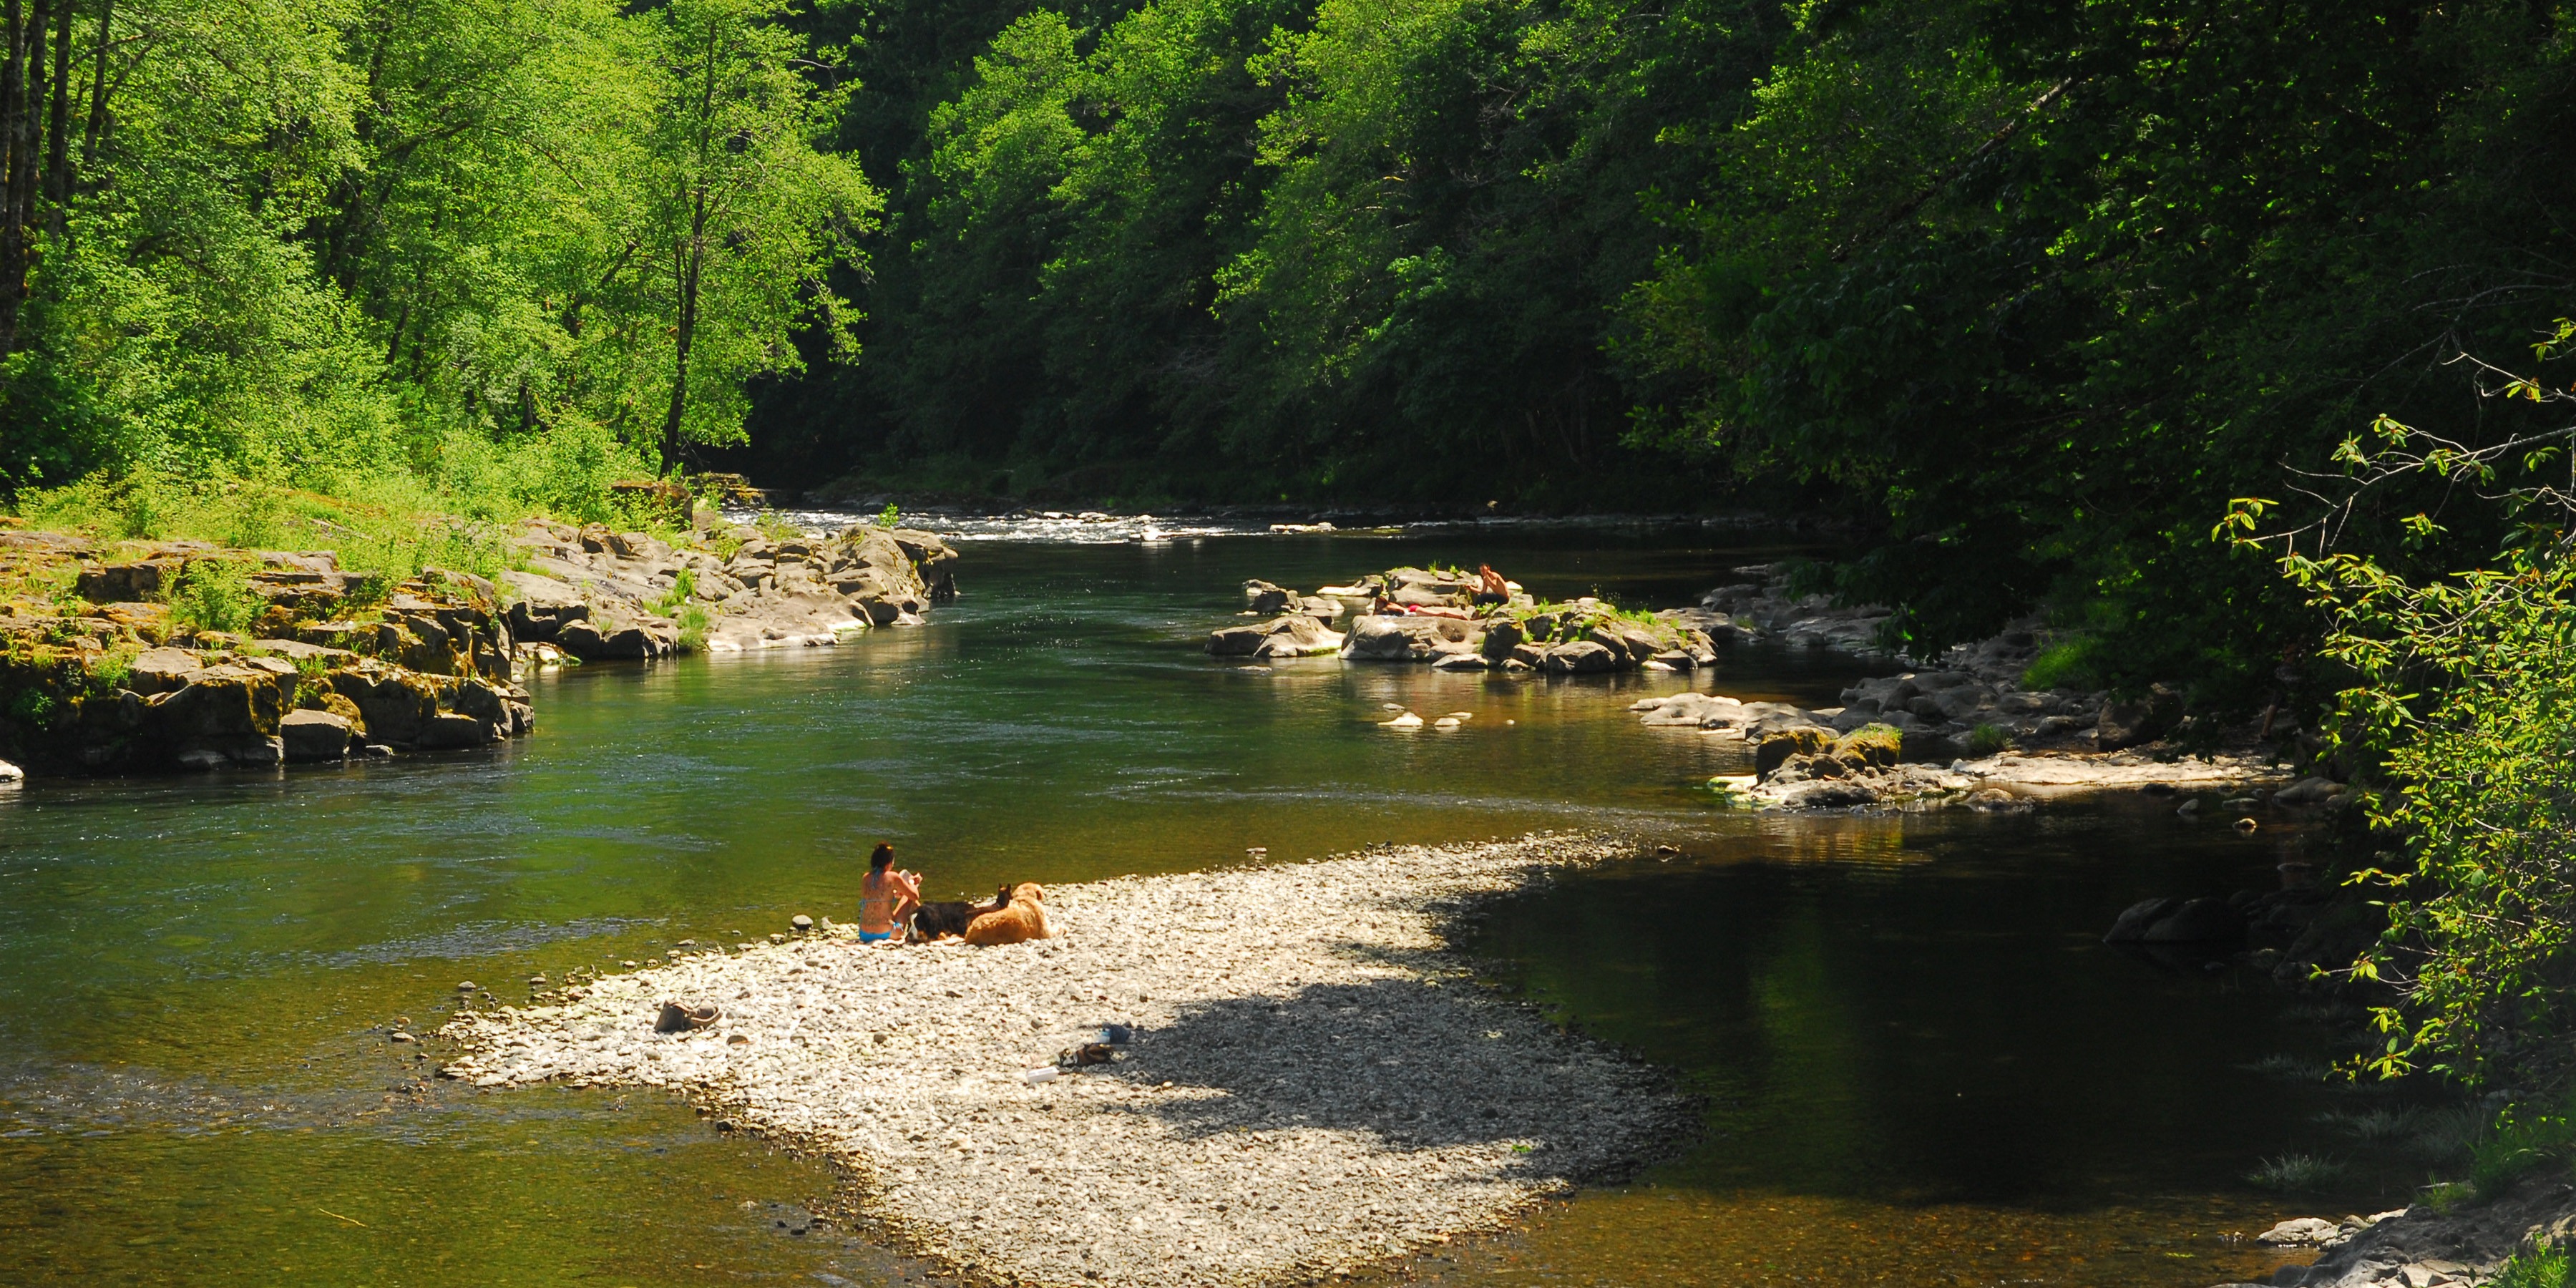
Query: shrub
{"x":1987,"y":739}
{"x":890,"y":517}
{"x":214,"y":595}
{"x":2542,"y":1268}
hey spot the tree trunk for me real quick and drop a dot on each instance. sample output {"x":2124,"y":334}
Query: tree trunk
{"x":692,"y":260}
{"x":58,"y":156}
{"x":18,"y":146}
{"x":97,"y":91}
{"x":692,"y":264}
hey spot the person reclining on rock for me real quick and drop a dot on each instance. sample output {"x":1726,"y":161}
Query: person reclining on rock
{"x":886,"y":897}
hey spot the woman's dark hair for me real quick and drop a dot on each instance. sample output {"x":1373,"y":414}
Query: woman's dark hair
{"x":884,"y":855}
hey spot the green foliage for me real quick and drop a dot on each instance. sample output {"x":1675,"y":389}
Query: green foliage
{"x":2541,"y":1268}
{"x":456,"y":256}
{"x":684,"y":587}
{"x":890,"y":516}
{"x":34,"y":707}
{"x":693,"y":622}
{"x":2067,"y":664}
{"x":1987,"y":740}
{"x":214,"y":595}
{"x":2523,"y":1140}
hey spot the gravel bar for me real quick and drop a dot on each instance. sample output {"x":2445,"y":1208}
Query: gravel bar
{"x":1314,"y":1082}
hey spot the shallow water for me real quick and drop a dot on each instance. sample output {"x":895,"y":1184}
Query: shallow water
{"x":1921,"y":1065}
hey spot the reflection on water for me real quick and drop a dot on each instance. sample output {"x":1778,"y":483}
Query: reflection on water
{"x":1907,"y":1033}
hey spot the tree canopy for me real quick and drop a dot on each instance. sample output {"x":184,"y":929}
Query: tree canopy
{"x":2025,"y":291}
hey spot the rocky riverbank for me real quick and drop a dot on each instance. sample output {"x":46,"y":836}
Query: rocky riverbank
{"x":109,"y":663}
{"x":1454,"y":621}
{"x":1313,"y":1081}
{"x":2428,"y":1247}
{"x":596,"y":593}
{"x":133,"y":656}
{"x":1964,"y":731}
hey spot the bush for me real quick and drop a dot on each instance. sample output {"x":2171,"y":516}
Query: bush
{"x":1986,"y":740}
{"x":2543,"y":1268}
{"x":214,"y":595}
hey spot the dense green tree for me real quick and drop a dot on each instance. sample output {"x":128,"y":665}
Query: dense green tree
{"x":488,"y":245}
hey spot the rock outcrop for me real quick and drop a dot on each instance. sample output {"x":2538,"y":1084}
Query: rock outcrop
{"x":329,"y":663}
{"x":603,"y":595}
{"x":2424,"y":1246}
{"x":1443,"y":618}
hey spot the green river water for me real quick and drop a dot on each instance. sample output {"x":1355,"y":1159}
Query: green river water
{"x":1921,"y":1065}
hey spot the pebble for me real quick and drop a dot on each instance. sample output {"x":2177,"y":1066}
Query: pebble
{"x":1312,"y":1082}
{"x":466,"y":987}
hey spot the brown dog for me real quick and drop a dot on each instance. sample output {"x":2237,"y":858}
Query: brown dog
{"x":1023,"y":918}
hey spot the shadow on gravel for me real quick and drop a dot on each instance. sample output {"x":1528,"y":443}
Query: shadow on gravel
{"x":1420,"y":1067}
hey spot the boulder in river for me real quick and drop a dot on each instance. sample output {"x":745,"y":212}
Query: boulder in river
{"x":2308,"y":791}
{"x":1796,"y":740}
{"x":2197,"y":921}
{"x":2142,"y":720}
{"x":1288,"y":635}
{"x":1874,"y":745}
{"x":2131,"y":925}
{"x":1582,"y":657}
{"x":314,"y":735}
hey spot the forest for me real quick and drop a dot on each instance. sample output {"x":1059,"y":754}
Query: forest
{"x":2025,"y":293}
{"x":2231,"y":337}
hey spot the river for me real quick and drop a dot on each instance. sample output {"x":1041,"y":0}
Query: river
{"x":1920,"y":1064}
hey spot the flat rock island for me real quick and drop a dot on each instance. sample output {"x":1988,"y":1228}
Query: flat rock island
{"x":1312,"y":1079}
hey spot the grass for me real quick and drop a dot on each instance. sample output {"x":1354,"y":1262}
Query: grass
{"x":388,"y":525}
{"x":2066,"y":665}
{"x":1987,"y":739}
{"x":2296,"y":1173}
{"x":684,"y":587}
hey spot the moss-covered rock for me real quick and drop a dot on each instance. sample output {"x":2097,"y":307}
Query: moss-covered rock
{"x":1874,"y":745}
{"x":1777,"y":747}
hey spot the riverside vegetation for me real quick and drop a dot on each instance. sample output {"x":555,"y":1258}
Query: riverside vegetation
{"x":2027,"y":294}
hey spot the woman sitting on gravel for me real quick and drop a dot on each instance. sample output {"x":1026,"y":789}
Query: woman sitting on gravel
{"x":886,"y":897}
